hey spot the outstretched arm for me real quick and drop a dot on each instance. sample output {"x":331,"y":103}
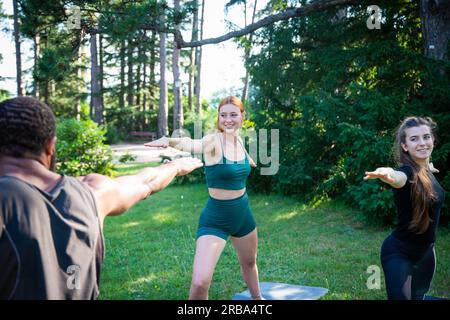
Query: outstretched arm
{"x":115,"y":196}
{"x":206,"y":144}
{"x":396,"y":179}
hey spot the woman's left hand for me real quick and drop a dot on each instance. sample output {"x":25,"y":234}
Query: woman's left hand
{"x":432,"y":168}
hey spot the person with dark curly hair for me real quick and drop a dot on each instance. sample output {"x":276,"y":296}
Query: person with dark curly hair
{"x":407,"y":254}
{"x":51,"y":239}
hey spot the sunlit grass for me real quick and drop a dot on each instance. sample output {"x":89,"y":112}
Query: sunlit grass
{"x":150,"y":249}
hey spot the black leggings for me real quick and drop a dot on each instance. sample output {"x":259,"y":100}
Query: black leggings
{"x":408,"y":269}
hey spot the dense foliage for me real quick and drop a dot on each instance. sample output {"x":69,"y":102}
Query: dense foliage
{"x":80,"y":148}
{"x":337,"y":91}
{"x":334,"y":88}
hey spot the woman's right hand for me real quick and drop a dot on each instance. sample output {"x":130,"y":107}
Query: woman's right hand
{"x":162,"y":142}
{"x":384,"y":174}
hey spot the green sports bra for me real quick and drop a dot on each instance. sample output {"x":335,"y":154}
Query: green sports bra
{"x":228,"y":174}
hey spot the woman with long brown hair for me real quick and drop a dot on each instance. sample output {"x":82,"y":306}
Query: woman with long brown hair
{"x":407,"y":254}
{"x":227,"y":212}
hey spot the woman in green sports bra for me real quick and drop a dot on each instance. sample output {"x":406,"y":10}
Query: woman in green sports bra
{"x":227,"y":212}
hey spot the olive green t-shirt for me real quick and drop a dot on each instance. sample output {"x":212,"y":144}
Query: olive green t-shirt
{"x":51,"y":243}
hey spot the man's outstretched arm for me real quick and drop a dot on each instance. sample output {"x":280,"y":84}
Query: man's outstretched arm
{"x":115,"y":196}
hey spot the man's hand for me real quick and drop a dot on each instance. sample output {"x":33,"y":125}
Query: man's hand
{"x":115,"y":196}
{"x":186,"y":164}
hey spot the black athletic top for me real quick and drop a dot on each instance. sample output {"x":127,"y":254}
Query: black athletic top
{"x":51,"y":244}
{"x":403,"y":202}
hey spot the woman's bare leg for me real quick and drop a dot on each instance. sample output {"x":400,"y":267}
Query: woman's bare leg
{"x":247,"y":247}
{"x":207,"y":253}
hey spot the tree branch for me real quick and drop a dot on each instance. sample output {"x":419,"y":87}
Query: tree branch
{"x":319,"y":5}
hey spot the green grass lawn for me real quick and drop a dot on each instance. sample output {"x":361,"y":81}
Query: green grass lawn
{"x":150,"y":249}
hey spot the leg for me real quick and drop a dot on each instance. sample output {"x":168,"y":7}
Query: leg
{"x":398,"y":269}
{"x":207,"y":253}
{"x":398,"y":274}
{"x":246,"y":248}
{"x":423,"y":274}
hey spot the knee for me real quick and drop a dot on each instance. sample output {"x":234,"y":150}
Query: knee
{"x":200,"y":285}
{"x":248,"y":263}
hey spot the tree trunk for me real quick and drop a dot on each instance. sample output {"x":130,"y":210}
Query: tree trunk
{"x":81,"y":74}
{"x":199,"y":64}
{"x":152,"y":78}
{"x":177,"y":107}
{"x":130,"y":95}
{"x":122,"y":75}
{"x":45,"y":83}
{"x":95,"y":87}
{"x":435,"y":17}
{"x":17,"y":42}
{"x":247,"y":55}
{"x":144,"y":86}
{"x":163,"y":108}
{"x":245,"y":89}
{"x":193,"y":54}
{"x":46,"y":92}
{"x":36,"y":52}
{"x":101,"y":74}
{"x":138,"y":78}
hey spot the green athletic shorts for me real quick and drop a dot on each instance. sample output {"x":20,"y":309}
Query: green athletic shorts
{"x":224,"y":218}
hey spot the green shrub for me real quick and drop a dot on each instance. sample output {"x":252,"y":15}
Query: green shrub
{"x":337,"y":95}
{"x":114,"y":135}
{"x":80,"y":148}
{"x":4,"y":94}
{"x":207,"y":119}
{"x":127,"y":157}
{"x":374,"y":199}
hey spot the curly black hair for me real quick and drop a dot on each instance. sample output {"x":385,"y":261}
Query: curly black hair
{"x":26,"y":125}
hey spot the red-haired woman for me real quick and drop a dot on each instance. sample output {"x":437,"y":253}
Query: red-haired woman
{"x":227,"y":212}
{"x":408,"y":254}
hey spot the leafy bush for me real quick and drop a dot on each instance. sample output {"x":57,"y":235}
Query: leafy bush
{"x":120,"y":121}
{"x":337,"y":94}
{"x":114,"y":135}
{"x":207,"y":120}
{"x":374,"y":199}
{"x":127,"y":157}
{"x":80,"y":148}
{"x":4,"y":94}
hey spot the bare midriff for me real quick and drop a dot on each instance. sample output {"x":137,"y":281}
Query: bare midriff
{"x":223,"y":194}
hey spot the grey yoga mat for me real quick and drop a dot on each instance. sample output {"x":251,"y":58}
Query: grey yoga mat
{"x":284,"y":291}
